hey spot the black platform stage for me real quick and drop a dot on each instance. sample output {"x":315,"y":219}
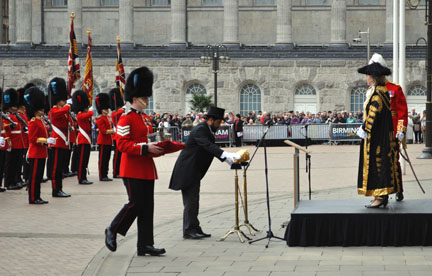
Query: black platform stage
{"x":349,"y":223}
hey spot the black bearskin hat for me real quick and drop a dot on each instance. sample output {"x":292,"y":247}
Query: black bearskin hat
{"x":28,"y":85}
{"x":34,"y":100}
{"x":10,"y":98}
{"x":215,"y":112}
{"x":80,"y":101}
{"x":102,"y":102}
{"x":21,"y":92}
{"x":375,"y":70}
{"x":139,"y":84}
{"x":116,"y":99}
{"x":57,"y":90}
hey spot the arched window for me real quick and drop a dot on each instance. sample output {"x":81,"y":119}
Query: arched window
{"x":190,"y":90}
{"x":250,"y":99}
{"x":305,"y":99}
{"x":417,"y":90}
{"x":150,"y":106}
{"x":358,"y":96}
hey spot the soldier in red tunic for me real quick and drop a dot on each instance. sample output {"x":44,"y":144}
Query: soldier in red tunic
{"x":23,"y":121}
{"x":5,"y":144}
{"x":137,"y":167}
{"x":105,"y":136}
{"x":116,"y":103}
{"x":38,"y":141}
{"x":58,"y":116}
{"x":80,"y":104}
{"x":399,"y":110}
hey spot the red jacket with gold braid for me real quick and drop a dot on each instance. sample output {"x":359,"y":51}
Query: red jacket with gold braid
{"x":59,"y":119}
{"x":37,"y":138}
{"x":16,"y":134}
{"x":5,"y":133}
{"x":105,"y":131}
{"x":24,"y":133}
{"x":398,"y":104}
{"x":84,"y":123}
{"x":132,"y":130}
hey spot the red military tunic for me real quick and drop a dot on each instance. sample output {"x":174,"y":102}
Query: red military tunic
{"x":132,"y":131}
{"x":105,"y":131}
{"x":37,"y":138}
{"x":17,"y":139}
{"x":115,"y":116}
{"x":398,"y":104}
{"x":59,"y":119}
{"x":72,"y":132}
{"x":5,"y":133}
{"x":24,"y":133}
{"x":84,"y":124}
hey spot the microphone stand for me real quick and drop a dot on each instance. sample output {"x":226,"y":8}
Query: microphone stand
{"x":308,"y":162}
{"x":269,"y":232}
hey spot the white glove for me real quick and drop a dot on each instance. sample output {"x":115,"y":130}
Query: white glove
{"x":400,"y":135}
{"x":51,"y":141}
{"x":2,"y":142}
{"x":361,"y":133}
{"x":91,"y":108}
{"x":230,"y":156}
{"x":69,"y":101}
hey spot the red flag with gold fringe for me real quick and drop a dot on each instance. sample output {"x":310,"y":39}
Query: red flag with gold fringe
{"x":88,"y":75}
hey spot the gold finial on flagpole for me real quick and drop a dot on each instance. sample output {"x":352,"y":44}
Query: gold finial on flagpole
{"x":88,"y":31}
{"x":118,"y":39}
{"x":72,"y":16}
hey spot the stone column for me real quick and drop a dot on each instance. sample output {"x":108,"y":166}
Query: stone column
{"x":1,"y":21}
{"x":231,"y":18}
{"x":126,"y":21}
{"x":178,"y":22}
{"x":389,"y":22}
{"x":284,"y":19}
{"x":338,"y":22}
{"x":24,"y":22}
{"x":12,"y":29}
{"x":75,"y":6}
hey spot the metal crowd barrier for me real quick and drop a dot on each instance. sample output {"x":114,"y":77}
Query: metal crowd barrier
{"x":313,"y":131}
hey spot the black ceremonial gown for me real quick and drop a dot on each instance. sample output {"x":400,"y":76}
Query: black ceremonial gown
{"x":378,"y":171}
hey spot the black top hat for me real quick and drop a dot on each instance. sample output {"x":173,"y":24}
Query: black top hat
{"x":80,"y":101}
{"x":116,"y":99}
{"x":375,"y":70}
{"x":139,"y":84}
{"x":10,"y":98}
{"x":57,"y":90}
{"x":34,"y":100}
{"x":215,"y":112}
{"x":102,"y":102}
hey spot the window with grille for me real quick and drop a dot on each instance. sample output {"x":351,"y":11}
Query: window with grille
{"x":316,"y":2}
{"x":109,"y":3}
{"x":42,"y":87}
{"x":196,"y":88}
{"x":264,"y":2}
{"x":161,"y":2}
{"x":369,"y":2}
{"x":212,"y":2}
{"x":59,"y":3}
{"x":358,"y":96}
{"x":250,"y":99}
{"x":417,"y":90}
{"x":305,"y":89}
{"x":150,"y":106}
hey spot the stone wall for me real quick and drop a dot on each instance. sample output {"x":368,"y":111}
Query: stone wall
{"x":333,"y":80}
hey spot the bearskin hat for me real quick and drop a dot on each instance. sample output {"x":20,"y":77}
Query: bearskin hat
{"x":80,"y":101}
{"x":34,"y":100}
{"x":10,"y":98}
{"x":28,"y":85}
{"x":116,"y":99}
{"x":102,"y":102}
{"x":139,"y":84}
{"x":57,"y":90}
{"x":375,"y":70}
{"x":21,"y":92}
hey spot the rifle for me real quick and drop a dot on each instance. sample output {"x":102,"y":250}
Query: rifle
{"x":1,"y":104}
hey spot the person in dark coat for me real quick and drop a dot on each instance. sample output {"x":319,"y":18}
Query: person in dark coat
{"x":238,"y":130}
{"x":192,"y":165}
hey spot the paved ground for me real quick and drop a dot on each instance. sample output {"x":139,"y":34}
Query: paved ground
{"x":66,"y":237}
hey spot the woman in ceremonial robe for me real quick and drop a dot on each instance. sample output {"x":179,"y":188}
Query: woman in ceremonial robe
{"x":378,"y":174}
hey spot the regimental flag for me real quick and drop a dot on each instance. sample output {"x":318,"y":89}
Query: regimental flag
{"x":120,"y":77}
{"x":88,"y":75}
{"x":73,"y":59}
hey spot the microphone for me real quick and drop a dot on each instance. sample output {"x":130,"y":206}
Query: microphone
{"x":269,"y":123}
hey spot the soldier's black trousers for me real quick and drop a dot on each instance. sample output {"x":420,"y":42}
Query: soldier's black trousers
{"x":36,"y":170}
{"x":58,"y":157}
{"x":104,"y":158}
{"x":141,"y":205}
{"x":11,"y":168}
{"x":84,"y":156}
{"x":116,"y":160}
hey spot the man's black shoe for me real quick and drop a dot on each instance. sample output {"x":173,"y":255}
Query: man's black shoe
{"x":399,"y":196}
{"x":116,"y":176}
{"x":192,"y":236}
{"x":85,"y":182}
{"x":2,"y":190}
{"x":74,"y":173}
{"x":200,"y":231}
{"x":106,"y":179}
{"x":110,"y":239}
{"x":151,"y":250}
{"x":44,"y":180}
{"x":60,"y":194}
{"x":14,"y":187}
{"x":38,"y":201}
{"x":68,"y":174}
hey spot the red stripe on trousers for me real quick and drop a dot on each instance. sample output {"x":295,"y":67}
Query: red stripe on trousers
{"x":127,"y":210}
{"x":35,"y":164}
{"x":115,"y":163}
{"x":80,"y":163}
{"x":100,"y":161}
{"x":53,"y":175}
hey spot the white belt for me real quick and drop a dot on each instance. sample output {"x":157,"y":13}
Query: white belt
{"x":16,"y":131}
{"x":82,"y":131}
{"x":3,"y":131}
{"x":60,"y":133}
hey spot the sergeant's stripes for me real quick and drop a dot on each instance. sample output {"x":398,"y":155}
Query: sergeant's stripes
{"x":123,"y":130}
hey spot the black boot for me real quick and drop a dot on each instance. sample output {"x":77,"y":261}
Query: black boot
{"x":151,"y":250}
{"x":399,"y":196}
{"x":110,"y":239}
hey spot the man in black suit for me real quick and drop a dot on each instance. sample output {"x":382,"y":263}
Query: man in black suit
{"x":238,"y":130}
{"x":191,"y":166}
